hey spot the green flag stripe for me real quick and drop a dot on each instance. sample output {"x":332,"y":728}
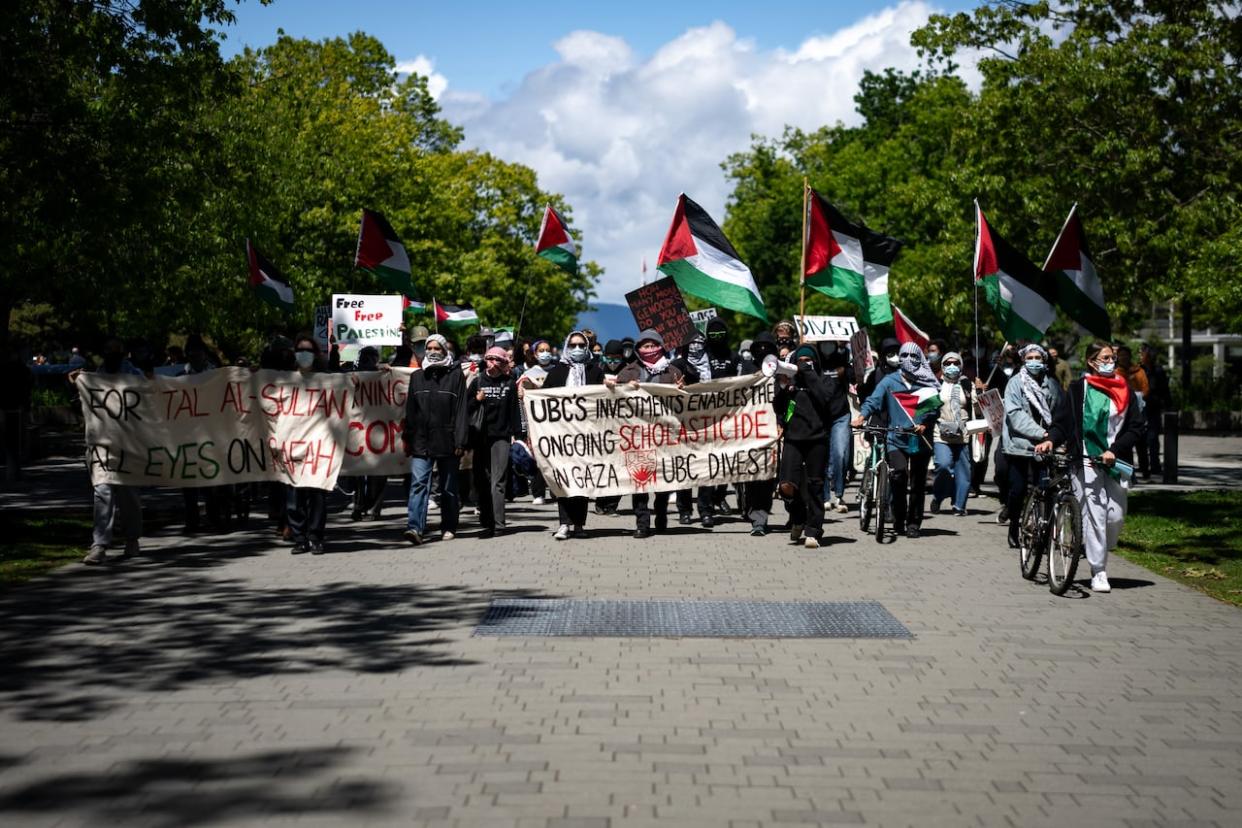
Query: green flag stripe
{"x":560,"y":257}
{"x":723,"y":294}
{"x":1082,"y":308}
{"x":850,"y":285}
{"x":1013,"y":326}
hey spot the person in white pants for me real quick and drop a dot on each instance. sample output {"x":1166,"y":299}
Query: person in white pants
{"x":1096,"y":420}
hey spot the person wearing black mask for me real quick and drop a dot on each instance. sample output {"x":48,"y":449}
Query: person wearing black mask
{"x":802,"y":410}
{"x":757,"y":494}
{"x":786,"y":333}
{"x":627,"y":350}
{"x":840,"y":439}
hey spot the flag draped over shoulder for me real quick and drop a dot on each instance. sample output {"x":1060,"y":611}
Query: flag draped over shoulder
{"x":907,"y":331}
{"x":268,"y":282}
{"x":1021,"y":295}
{"x":847,"y":260}
{"x":703,"y":263}
{"x":382,"y":254}
{"x":1079,"y":292}
{"x":918,"y":402}
{"x":554,"y":242}
{"x":456,"y":315}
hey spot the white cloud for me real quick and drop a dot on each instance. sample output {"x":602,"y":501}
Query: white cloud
{"x":621,"y":135}
{"x":425,"y":66}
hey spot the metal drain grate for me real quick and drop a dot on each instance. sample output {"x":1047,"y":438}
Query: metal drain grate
{"x":690,"y":619}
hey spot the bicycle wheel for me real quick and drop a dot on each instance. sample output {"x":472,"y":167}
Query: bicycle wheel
{"x":866,"y":499}
{"x":1064,"y":545}
{"x":881,"y":499}
{"x":1030,"y":550}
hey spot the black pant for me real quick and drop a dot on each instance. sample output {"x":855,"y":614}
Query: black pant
{"x":308,"y":513}
{"x":803,"y":463}
{"x":369,"y":494}
{"x":758,"y":497}
{"x":687,"y":498}
{"x":642,"y":511}
{"x":907,"y":477}
{"x":1022,"y":471}
{"x":1149,"y":445}
{"x":1002,"y":473}
{"x":572,"y":510}
{"x":490,"y":475}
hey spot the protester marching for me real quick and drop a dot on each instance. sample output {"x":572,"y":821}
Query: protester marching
{"x":684,"y":412}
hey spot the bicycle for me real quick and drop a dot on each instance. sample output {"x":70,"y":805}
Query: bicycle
{"x":873,"y":487}
{"x":1051,"y":524}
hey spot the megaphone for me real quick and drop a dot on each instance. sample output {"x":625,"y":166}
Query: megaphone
{"x":771,"y":366}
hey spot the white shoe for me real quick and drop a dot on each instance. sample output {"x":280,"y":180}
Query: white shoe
{"x":537,"y":501}
{"x":1099,"y":582}
{"x":562,"y":532}
{"x":811,"y":543}
{"x":841,"y":507}
{"x":432,"y":506}
{"x":97,"y":555}
{"x":830,"y":504}
{"x":447,"y":536}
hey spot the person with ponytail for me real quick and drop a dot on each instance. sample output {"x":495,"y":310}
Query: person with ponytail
{"x":1096,"y":420}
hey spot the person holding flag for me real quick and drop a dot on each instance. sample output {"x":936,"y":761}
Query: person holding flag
{"x":911,"y":396}
{"x":1096,"y":420}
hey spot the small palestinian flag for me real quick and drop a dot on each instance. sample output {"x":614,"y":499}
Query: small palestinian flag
{"x":554,"y":243}
{"x":1022,"y":296}
{"x":919,"y":402}
{"x":703,"y":263}
{"x":409,"y":305}
{"x":382,"y":254}
{"x":268,"y":282}
{"x":456,"y":315}
{"x":907,"y":331}
{"x":847,"y":260}
{"x":1079,"y":292}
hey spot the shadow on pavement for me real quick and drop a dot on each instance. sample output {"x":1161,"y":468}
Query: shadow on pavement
{"x":74,"y":643}
{"x":174,"y":792}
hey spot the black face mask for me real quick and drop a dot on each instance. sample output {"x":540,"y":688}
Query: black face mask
{"x":787,"y":342}
{"x":112,"y":362}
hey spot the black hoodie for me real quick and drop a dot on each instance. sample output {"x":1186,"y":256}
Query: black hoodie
{"x":803,"y":406}
{"x":720,"y":354}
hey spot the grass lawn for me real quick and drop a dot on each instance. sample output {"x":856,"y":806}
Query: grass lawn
{"x":1191,"y":537}
{"x":37,"y":542}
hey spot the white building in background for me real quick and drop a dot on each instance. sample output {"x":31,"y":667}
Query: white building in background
{"x":1166,"y":327}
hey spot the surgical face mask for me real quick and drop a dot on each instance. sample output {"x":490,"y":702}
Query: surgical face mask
{"x":893,"y":360}
{"x":933,"y":357}
{"x":304,"y":359}
{"x":579,"y":354}
{"x":1007,"y":370}
{"x":1035,"y":367}
{"x":952,"y":371}
{"x":1105,"y":369}
{"x":544,"y":357}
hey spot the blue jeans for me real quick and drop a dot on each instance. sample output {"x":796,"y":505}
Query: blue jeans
{"x":840,"y":442}
{"x":952,"y":473}
{"x":420,"y":493}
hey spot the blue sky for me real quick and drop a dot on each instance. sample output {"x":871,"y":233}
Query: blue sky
{"x":622,"y":106}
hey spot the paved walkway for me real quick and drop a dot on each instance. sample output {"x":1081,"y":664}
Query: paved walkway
{"x":224,"y":682}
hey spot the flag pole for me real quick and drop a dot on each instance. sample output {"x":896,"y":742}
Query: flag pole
{"x":1065,"y":224}
{"x":806,"y":190}
{"x":435,"y":313}
{"x":974,"y":276}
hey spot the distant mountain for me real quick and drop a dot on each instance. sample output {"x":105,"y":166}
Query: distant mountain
{"x":609,"y":322}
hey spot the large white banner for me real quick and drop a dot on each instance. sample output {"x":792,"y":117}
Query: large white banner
{"x":594,"y":441}
{"x":234,"y":426}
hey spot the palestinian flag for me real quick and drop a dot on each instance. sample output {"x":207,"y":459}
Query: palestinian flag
{"x":268,"y":282}
{"x":455,"y":316}
{"x":1022,"y":296}
{"x":409,"y":305}
{"x":554,"y":243}
{"x":919,"y":402}
{"x":1079,"y":292}
{"x":703,"y":263}
{"x":382,"y":254}
{"x":907,"y":331}
{"x":847,"y":260}
{"x":1102,"y":399}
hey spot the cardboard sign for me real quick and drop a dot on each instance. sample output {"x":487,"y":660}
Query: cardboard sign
{"x":659,"y":305}
{"x":994,"y":410}
{"x":826,"y":328}
{"x":860,"y":356}
{"x":323,"y":322}
{"x":359,"y":319}
{"x":595,"y":441}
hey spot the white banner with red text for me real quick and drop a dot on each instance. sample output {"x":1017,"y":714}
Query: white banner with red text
{"x":234,"y":426}
{"x":593,"y":441}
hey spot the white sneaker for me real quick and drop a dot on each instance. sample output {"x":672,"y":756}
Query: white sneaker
{"x":1099,"y":582}
{"x":811,"y":543}
{"x":447,"y":536}
{"x":562,"y":532}
{"x":841,"y":507}
{"x":97,"y":555}
{"x":830,"y":504}
{"x":432,"y":506}
{"x":537,"y":501}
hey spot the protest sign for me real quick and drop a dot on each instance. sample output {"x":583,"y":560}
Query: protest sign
{"x":359,"y":319}
{"x":594,"y":441}
{"x":233,"y":426}
{"x":700,"y":318}
{"x":323,"y":323}
{"x":826,"y":328}
{"x":993,"y":410}
{"x":860,"y":356}
{"x":659,"y":305}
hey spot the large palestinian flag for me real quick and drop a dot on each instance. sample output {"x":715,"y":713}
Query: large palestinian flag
{"x":1079,"y":292}
{"x":268,"y":282}
{"x":554,"y":243}
{"x":456,"y":315}
{"x":382,"y":254}
{"x":1022,"y":296}
{"x":847,"y":260}
{"x":919,"y":402}
{"x":907,"y":331}
{"x":703,"y":263}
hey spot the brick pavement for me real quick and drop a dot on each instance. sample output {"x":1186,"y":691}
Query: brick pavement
{"x":221,"y":681}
